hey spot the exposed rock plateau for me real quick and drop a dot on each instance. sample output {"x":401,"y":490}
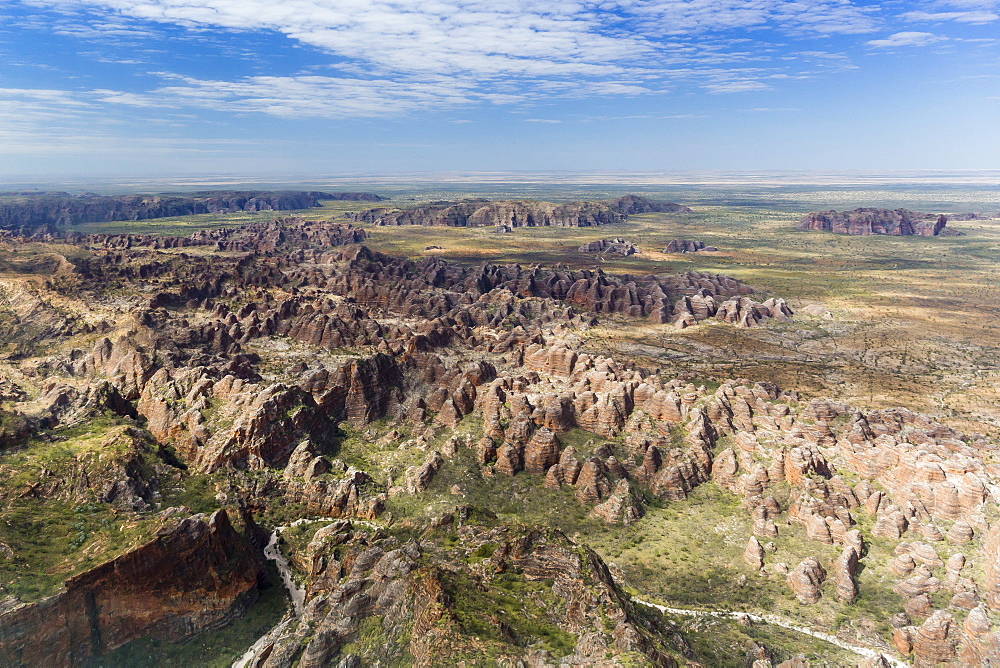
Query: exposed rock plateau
{"x":895,"y":222}
{"x":28,"y":212}
{"x":619,"y":246}
{"x":687,"y":246}
{"x":517,"y":213}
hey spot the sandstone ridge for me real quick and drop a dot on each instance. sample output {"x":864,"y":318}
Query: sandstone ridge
{"x":895,"y":222}
{"x":517,"y":213}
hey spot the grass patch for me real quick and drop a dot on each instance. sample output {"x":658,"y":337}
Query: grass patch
{"x":510,"y":609}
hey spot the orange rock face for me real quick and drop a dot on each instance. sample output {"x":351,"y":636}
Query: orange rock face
{"x":192,"y":576}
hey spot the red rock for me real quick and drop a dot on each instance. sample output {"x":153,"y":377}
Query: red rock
{"x":890,"y":524}
{"x":925,"y":554}
{"x":817,"y":529}
{"x":762,"y":524}
{"x":541,"y":452}
{"x":918,"y":606}
{"x":991,"y":568}
{"x":569,"y":466}
{"x":965,"y":600}
{"x":902,"y":639}
{"x":419,"y":477}
{"x":724,"y":469}
{"x":922,"y":582}
{"x":486,"y":450}
{"x":194,"y":575}
{"x":959,"y":533}
{"x":651,"y":463}
{"x":903,"y":564}
{"x":935,"y":640}
{"x":956,"y":563}
{"x":865,"y":221}
{"x":805,"y":580}
{"x":753,"y":555}
{"x":622,"y":507}
{"x":591,"y":484}
{"x":853,"y":539}
{"x":509,"y":460}
{"x":844,"y":571}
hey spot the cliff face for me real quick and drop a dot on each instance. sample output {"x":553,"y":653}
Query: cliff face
{"x":894,"y":222}
{"x":517,"y":213}
{"x":59,"y":209}
{"x":195,"y":574}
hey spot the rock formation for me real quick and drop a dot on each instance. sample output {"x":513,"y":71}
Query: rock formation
{"x":436,"y":614}
{"x":516,"y":213}
{"x":196,"y":574}
{"x":896,"y":222}
{"x":618,"y":246}
{"x":805,"y":580}
{"x":49,"y":211}
{"x":296,"y":372}
{"x":687,"y":246}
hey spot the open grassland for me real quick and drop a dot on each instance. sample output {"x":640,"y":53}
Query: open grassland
{"x":47,"y":536}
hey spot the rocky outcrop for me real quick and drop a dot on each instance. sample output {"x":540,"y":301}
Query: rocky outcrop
{"x":934,"y":642}
{"x":436,"y":615}
{"x":844,"y":570}
{"x":753,"y":555}
{"x":196,"y":574}
{"x":621,"y":507}
{"x":896,"y":222}
{"x":516,"y":213}
{"x":505,"y":213}
{"x":617,"y":245}
{"x":806,"y":579}
{"x":741,"y":311}
{"x":49,"y":212}
{"x":266,"y":430}
{"x":634,"y":204}
{"x":687,"y":246}
{"x":991,"y":568}
{"x":121,"y":469}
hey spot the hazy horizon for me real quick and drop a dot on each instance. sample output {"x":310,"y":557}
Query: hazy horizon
{"x":984,"y":178}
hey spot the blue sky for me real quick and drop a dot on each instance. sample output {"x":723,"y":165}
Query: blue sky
{"x":299,"y":87}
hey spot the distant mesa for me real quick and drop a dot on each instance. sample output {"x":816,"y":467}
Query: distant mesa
{"x":619,"y":246}
{"x":634,"y":204}
{"x":516,"y":213}
{"x":974,"y":216}
{"x":33,"y":212}
{"x":893,"y":222}
{"x":686,"y":246}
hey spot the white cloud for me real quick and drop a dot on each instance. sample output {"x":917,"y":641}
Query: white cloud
{"x":313,"y":96}
{"x":395,"y":57}
{"x":736,"y":86}
{"x":907,"y":38}
{"x":567,"y":38}
{"x":976,"y":17}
